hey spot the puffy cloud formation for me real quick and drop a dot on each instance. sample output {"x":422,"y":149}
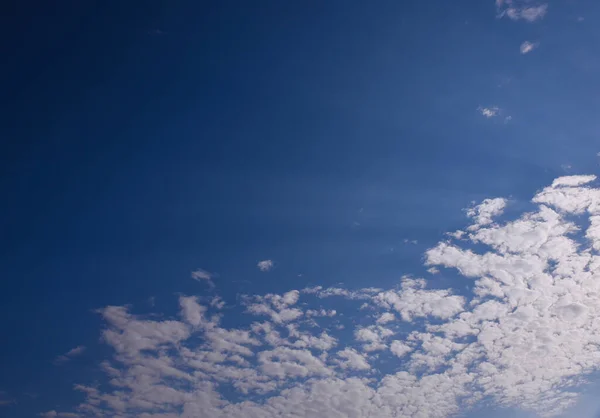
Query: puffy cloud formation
{"x":265,"y":265}
{"x":489,"y":112}
{"x":525,"y":336}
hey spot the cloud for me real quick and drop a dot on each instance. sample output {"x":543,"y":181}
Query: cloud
{"x":201,"y":275}
{"x":351,"y":359}
{"x":527,"y":47}
{"x":483,"y":213}
{"x":527,"y":10}
{"x":525,"y":335}
{"x":489,"y":112}
{"x":265,"y":265}
{"x":74,"y":352}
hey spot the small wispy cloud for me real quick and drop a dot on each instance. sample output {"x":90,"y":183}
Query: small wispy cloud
{"x":201,"y":275}
{"x":521,"y":10}
{"x":265,"y":265}
{"x":528,"y":46}
{"x":74,"y":352}
{"x":489,"y":112}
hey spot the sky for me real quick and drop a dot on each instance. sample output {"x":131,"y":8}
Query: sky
{"x":310,"y":209}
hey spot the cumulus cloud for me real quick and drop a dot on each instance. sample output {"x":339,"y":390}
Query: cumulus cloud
{"x":489,"y":112}
{"x":528,"y":46}
{"x":527,"y":10}
{"x":484,"y":212}
{"x":525,"y":336}
{"x":351,"y":359}
{"x":265,"y":265}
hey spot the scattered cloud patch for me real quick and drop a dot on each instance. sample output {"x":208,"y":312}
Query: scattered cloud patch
{"x":265,"y":265}
{"x":525,"y":337}
{"x":527,"y":10}
{"x":489,"y":112}
{"x":528,"y":46}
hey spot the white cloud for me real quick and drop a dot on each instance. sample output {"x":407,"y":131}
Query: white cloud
{"x":203,"y":276}
{"x":265,"y":265}
{"x":484,"y":213}
{"x":386,"y":317}
{"x":373,"y":336}
{"x":414,"y":301}
{"x":74,"y":352}
{"x":489,"y":112}
{"x":399,"y":348}
{"x":527,"y":47}
{"x":352,"y":359}
{"x":571,"y":181}
{"x":191,"y":310}
{"x":525,"y":337}
{"x":527,"y":10}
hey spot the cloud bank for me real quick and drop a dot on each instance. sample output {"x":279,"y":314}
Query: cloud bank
{"x":526,"y":336}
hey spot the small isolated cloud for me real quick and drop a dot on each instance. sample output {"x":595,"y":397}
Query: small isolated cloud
{"x":527,"y":10}
{"x":489,"y":112}
{"x":201,"y":275}
{"x":265,"y":265}
{"x":74,"y":352}
{"x":527,"y":47}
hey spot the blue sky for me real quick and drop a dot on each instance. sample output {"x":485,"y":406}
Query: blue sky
{"x":153,"y":154}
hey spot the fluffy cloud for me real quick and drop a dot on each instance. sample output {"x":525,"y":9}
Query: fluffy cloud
{"x":489,"y":112}
{"x":528,"y":46}
{"x":352,"y":359}
{"x":525,"y":336}
{"x":483,"y":213}
{"x":527,"y":10}
{"x":265,"y":265}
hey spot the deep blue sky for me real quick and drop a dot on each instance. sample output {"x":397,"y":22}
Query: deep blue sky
{"x":142,"y":140}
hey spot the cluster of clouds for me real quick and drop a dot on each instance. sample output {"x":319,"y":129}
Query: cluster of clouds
{"x":525,"y":336}
{"x":517,"y":10}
